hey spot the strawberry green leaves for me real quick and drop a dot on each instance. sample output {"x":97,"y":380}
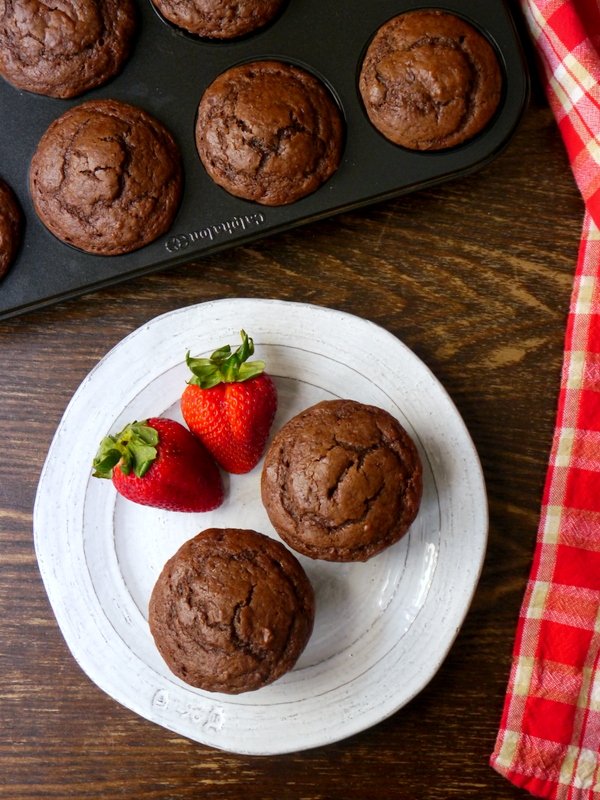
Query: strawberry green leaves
{"x":225,"y":366}
{"x":134,"y":449}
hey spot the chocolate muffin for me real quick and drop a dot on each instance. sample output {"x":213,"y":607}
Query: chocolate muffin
{"x":269,"y":132}
{"x":429,"y":80}
{"x":231,"y":611}
{"x":64,"y":48}
{"x":106,"y":177}
{"x":219,"y":19}
{"x":342,"y":481}
{"x":10,"y":228}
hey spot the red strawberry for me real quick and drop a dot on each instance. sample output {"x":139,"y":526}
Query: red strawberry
{"x":159,"y":463}
{"x":230,"y":404}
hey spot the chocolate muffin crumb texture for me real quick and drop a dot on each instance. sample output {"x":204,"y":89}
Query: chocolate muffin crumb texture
{"x":106,"y":177}
{"x":269,"y":132}
{"x":231,"y":611}
{"x":10,"y":228}
{"x":342,"y":481}
{"x":219,"y":19}
{"x":63,"y":49}
{"x":429,"y":80}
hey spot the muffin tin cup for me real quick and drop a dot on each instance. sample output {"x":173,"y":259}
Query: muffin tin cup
{"x":167,"y":75}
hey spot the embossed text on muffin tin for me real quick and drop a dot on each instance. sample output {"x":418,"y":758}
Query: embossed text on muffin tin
{"x":183,"y":240}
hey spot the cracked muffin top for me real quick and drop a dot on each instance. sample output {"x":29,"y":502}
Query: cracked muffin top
{"x":231,"y":611}
{"x":269,"y":132}
{"x":219,"y":19}
{"x":10,"y":228}
{"x":106,"y":177}
{"x":342,"y":481}
{"x":429,"y":80}
{"x":66,"y":47}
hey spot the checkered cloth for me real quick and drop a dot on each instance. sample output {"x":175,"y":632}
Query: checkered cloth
{"x":549,"y":738}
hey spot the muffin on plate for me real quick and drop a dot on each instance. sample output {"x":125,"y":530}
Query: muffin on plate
{"x":231,"y":611}
{"x":219,"y":19}
{"x":63,"y":49}
{"x":10,"y":227}
{"x":106,"y":177}
{"x":342,"y":481}
{"x":429,"y":80}
{"x":269,"y":132}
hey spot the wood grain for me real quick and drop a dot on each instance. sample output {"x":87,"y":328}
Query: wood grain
{"x":475,"y":276}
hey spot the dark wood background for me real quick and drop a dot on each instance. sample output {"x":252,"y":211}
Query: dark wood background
{"x":475,"y":276}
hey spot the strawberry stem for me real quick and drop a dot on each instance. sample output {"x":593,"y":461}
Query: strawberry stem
{"x":224,"y":366}
{"x":133,"y":449}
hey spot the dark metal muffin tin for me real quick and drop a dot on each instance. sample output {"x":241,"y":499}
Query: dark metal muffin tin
{"x":167,"y":75}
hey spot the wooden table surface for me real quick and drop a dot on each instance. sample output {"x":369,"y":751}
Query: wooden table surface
{"x":475,"y":277}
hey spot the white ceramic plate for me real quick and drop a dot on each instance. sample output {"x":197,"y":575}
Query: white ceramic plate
{"x":382,"y":628}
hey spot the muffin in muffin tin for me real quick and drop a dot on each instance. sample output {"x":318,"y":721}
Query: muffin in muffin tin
{"x":367,"y":167}
{"x":106,"y":177}
{"x":219,"y":19}
{"x":64,"y":49}
{"x":269,"y":132}
{"x":10,"y":227}
{"x":429,"y":80}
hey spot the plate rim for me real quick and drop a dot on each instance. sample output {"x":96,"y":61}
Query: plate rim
{"x":360,"y":722}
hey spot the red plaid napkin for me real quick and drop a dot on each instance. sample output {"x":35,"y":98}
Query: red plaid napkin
{"x":549,"y":737}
